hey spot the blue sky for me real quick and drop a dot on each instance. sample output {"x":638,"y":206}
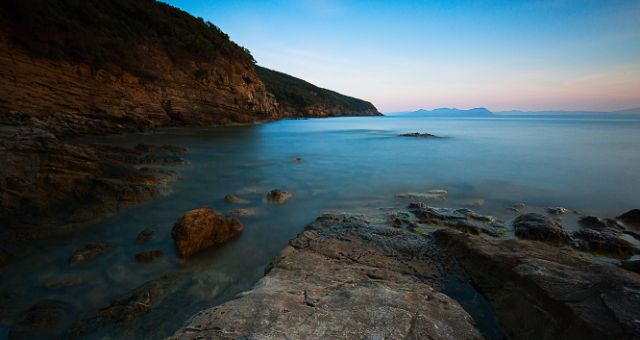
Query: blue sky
{"x":405,"y":55}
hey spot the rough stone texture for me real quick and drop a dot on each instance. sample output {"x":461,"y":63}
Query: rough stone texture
{"x":202,"y":228}
{"x":534,"y":226}
{"x":464,"y":220}
{"x":144,"y":236}
{"x":73,"y":98}
{"x":342,"y":278}
{"x":148,"y":256}
{"x":540,"y":291}
{"x":89,"y":252}
{"x":604,"y":241}
{"x":278,"y":196}
{"x":44,"y":320}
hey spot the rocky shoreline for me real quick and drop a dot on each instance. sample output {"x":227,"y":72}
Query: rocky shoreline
{"x":385,"y":276}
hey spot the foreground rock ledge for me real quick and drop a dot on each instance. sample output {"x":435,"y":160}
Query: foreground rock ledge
{"x":342,"y":278}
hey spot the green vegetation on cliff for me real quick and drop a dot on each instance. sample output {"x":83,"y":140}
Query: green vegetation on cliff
{"x":102,"y":33}
{"x":298,"y":96}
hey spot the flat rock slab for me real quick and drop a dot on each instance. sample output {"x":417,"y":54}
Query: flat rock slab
{"x":342,"y":278}
{"x":540,"y":291}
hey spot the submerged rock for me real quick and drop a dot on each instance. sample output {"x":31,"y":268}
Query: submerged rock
{"x":278,"y":196}
{"x":632,"y":265}
{"x":631,"y":217}
{"x":536,"y":227}
{"x":540,"y":291}
{"x":417,"y":135}
{"x":144,"y":236}
{"x":45,"y":319}
{"x":243,"y":212}
{"x":148,"y":256}
{"x":431,"y":195}
{"x":231,"y":198}
{"x":202,"y":228}
{"x":342,"y":278}
{"x":89,"y":252}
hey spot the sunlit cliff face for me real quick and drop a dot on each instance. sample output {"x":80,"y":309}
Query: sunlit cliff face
{"x":533,"y":55}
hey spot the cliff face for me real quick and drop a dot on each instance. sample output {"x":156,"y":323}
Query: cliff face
{"x":75,"y":99}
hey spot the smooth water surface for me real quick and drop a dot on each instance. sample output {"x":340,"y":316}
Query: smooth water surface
{"x":589,"y":165}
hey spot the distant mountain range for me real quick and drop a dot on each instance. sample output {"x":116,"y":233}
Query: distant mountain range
{"x":483,"y":112}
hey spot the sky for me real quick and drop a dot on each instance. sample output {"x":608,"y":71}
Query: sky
{"x":408,"y":55}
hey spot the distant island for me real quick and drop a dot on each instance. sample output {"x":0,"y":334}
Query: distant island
{"x":484,"y":112}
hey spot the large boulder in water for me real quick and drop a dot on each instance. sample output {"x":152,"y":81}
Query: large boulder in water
{"x":536,"y":227}
{"x":45,"y":319}
{"x":202,"y":228}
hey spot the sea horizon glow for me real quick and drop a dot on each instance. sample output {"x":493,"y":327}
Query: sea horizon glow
{"x":403,"y":56}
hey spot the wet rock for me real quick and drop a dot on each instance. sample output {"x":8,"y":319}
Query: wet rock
{"x":631,"y":217}
{"x":604,"y":241}
{"x":541,"y":291}
{"x":431,"y":195}
{"x":202,"y":228}
{"x":519,"y":205}
{"x":89,"y":252}
{"x":298,"y":159}
{"x":231,"y":198}
{"x":243,"y":212}
{"x":632,"y":265}
{"x":126,"y":312}
{"x":162,"y":159}
{"x":461,"y":219}
{"x":144,"y":236}
{"x":536,"y":227}
{"x":417,"y":135}
{"x":593,"y":222}
{"x":557,"y":211}
{"x":148,"y":256}
{"x":343,"y":277}
{"x":167,"y":149}
{"x":46,"y":319}
{"x":278,"y":196}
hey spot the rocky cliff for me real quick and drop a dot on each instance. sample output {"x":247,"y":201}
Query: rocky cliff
{"x":74,"y":67}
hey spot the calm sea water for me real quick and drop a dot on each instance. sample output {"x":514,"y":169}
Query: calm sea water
{"x":590,"y":165}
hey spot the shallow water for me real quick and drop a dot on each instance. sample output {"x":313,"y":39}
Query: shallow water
{"x":589,"y":165}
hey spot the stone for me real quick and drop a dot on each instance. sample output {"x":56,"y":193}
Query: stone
{"x":342,"y":278}
{"x":463,"y":219}
{"x":202,"y":228}
{"x":417,"y":135}
{"x":243,"y":212}
{"x":148,"y":256}
{"x":162,"y":159}
{"x":431,"y":195}
{"x":557,"y":211}
{"x":278,"y":196}
{"x":593,"y":222}
{"x":605,"y":242}
{"x":541,"y":291}
{"x":631,"y":217}
{"x":536,"y":227}
{"x":144,"y":236}
{"x":89,"y":252}
{"x":46,"y":319}
{"x":231,"y":198}
{"x":632,"y":265}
